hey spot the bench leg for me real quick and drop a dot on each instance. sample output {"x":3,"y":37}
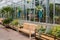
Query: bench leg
{"x":30,"y":36}
{"x":17,"y":29}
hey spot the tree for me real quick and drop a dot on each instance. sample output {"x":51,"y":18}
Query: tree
{"x":8,"y":11}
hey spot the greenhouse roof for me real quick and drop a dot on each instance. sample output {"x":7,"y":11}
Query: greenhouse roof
{"x":9,"y":2}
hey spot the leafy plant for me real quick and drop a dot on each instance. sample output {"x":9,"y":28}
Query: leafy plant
{"x":39,"y":7}
{"x":55,"y":31}
{"x":14,"y":22}
{"x":7,"y":21}
{"x":7,"y":11}
{"x":19,"y":8}
{"x":28,"y":1}
{"x":41,"y":30}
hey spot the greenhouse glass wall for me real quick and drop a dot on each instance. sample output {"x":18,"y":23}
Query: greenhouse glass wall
{"x":45,"y":11}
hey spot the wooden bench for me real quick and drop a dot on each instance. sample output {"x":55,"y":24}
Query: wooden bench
{"x":1,"y":19}
{"x":28,"y":28}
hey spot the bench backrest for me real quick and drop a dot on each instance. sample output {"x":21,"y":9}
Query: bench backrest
{"x":30,"y":26}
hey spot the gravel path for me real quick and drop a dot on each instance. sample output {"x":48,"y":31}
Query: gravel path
{"x":8,"y":34}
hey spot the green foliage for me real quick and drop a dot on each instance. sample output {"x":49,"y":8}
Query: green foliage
{"x":19,"y":8}
{"x":8,"y":11}
{"x":7,"y":21}
{"x":14,"y":22}
{"x":55,"y":31}
{"x":58,"y":20}
{"x":41,"y":30}
{"x":51,"y":11}
{"x":39,"y":7}
{"x":28,"y":1}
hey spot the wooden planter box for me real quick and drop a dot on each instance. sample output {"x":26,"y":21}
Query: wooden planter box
{"x":9,"y":26}
{"x":6,"y":25}
{"x":47,"y":37}
{"x":15,"y":27}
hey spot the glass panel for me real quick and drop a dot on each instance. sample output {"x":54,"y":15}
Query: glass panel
{"x":57,"y":13}
{"x":34,"y":10}
{"x":51,"y":14}
{"x":40,"y":11}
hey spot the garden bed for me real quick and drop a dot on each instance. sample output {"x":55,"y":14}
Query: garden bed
{"x":47,"y":37}
{"x":10,"y":23}
{"x":53,"y":34}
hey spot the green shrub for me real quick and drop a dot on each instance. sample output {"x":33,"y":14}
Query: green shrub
{"x":41,"y":30}
{"x":7,"y":21}
{"x":14,"y":22}
{"x":55,"y":31}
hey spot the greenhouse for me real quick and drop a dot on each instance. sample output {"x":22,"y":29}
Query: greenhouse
{"x":36,"y":18}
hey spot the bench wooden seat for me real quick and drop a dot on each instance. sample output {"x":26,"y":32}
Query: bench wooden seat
{"x":27,"y":31}
{"x":28,"y":28}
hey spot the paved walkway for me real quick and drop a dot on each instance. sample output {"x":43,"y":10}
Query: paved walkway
{"x":8,"y":34}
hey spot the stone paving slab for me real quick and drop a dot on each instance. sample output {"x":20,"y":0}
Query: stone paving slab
{"x":11,"y":35}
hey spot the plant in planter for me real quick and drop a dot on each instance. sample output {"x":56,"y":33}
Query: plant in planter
{"x":40,"y":30}
{"x":14,"y":24}
{"x":55,"y":31}
{"x":7,"y":21}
